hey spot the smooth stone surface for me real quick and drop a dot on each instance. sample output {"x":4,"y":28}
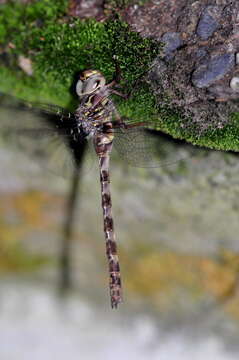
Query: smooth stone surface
{"x":207,"y":24}
{"x":207,"y":73}
{"x":237,"y":58}
{"x":172,"y":41}
{"x":234,"y":83}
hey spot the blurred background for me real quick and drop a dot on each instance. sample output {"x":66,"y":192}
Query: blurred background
{"x":177,"y":229}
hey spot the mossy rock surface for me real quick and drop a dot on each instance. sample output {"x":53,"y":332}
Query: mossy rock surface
{"x":59,"y":46}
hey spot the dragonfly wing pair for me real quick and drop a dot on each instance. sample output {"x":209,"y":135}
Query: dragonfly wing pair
{"x":141,"y":147}
{"x":46,"y":133}
{"x":50,"y":134}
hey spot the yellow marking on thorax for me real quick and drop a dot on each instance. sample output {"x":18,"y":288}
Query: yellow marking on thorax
{"x":88,"y":104}
{"x":104,"y":101}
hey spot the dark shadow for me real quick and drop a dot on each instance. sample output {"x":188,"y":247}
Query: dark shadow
{"x":77,"y":146}
{"x":65,"y":262}
{"x":66,"y":127}
{"x":194,"y":150}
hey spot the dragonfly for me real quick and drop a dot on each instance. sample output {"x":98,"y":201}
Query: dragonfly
{"x":97,"y":119}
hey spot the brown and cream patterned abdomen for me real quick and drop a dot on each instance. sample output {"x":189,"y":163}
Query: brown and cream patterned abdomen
{"x":103,"y":149}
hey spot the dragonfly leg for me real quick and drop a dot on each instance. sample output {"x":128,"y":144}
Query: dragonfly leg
{"x":117,"y":76}
{"x":116,"y":92}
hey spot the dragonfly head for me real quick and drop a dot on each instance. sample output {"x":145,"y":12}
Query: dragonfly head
{"x":90,"y":81}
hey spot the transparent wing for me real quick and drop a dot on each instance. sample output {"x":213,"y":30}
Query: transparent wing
{"x":35,"y":107}
{"x":142,"y":147}
{"x":53,"y":140}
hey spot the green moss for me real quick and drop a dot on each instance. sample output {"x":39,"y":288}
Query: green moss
{"x":59,"y":47}
{"x":225,"y":139}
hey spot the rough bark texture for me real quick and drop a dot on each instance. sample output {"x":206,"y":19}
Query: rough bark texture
{"x":199,"y":70}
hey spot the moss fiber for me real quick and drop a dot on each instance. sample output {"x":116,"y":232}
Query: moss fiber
{"x":60,"y":46}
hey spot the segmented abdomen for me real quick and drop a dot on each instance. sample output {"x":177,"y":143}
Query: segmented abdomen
{"x":111,"y":247}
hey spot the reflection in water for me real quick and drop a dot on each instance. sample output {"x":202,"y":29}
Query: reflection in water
{"x":35,"y":325}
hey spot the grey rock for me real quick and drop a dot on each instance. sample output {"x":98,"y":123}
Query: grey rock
{"x":237,"y":58}
{"x":172,"y":41}
{"x":207,"y":23}
{"x":234,"y":83}
{"x":215,"y":69}
{"x":201,"y":53}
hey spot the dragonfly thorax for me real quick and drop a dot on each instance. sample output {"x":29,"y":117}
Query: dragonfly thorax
{"x":88,"y":128}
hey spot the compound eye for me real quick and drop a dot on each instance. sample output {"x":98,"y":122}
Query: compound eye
{"x":90,"y":85}
{"x":79,"y":88}
{"x":96,"y":84}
